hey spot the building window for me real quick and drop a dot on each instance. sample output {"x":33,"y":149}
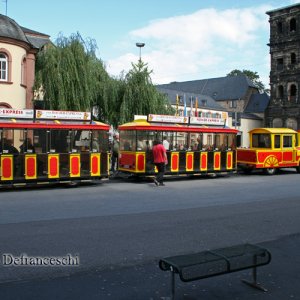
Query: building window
{"x":277,"y":123}
{"x":279,"y":64}
{"x":293,"y":93}
{"x":293,"y":24}
{"x":3,"y":67}
{"x":203,"y":102}
{"x":279,"y":93}
{"x":233,"y":104}
{"x":291,"y":123}
{"x":287,"y":141}
{"x":23,"y":72}
{"x":279,"y":27}
{"x":293,"y":58}
{"x":277,"y":141}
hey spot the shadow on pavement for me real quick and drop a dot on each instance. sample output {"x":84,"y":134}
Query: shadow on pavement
{"x":146,"y":281}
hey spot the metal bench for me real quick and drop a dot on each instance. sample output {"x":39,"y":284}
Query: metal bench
{"x":217,"y":262}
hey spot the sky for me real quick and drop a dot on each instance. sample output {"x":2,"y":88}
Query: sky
{"x":184,"y":39}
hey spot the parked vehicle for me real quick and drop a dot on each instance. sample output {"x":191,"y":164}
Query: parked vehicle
{"x":192,"y":148}
{"x":51,"y":146}
{"x":270,"y":149}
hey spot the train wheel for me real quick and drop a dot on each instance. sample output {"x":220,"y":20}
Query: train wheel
{"x":270,"y":163}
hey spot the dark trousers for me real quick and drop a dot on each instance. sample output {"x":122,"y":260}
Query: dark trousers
{"x":161,"y":171}
{"x":114,"y":162}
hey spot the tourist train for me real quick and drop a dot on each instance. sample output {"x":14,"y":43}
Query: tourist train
{"x":48,"y":146}
{"x":41,"y":146}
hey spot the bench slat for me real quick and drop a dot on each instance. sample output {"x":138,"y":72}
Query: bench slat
{"x":216,"y":262}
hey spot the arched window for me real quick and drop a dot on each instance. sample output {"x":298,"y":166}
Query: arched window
{"x":291,"y":123}
{"x":293,"y":24}
{"x":293,"y":58}
{"x":277,"y":123}
{"x":3,"y":67}
{"x":279,"y":93}
{"x":24,"y":72}
{"x":292,"y":93}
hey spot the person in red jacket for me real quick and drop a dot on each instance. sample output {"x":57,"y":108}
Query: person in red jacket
{"x":160,"y":161}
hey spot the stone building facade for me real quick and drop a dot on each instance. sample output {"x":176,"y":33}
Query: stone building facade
{"x":284,"y":106}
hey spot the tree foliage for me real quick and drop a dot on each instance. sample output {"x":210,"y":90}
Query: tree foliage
{"x":73,"y":78}
{"x":253,"y":76}
{"x":140,"y":97}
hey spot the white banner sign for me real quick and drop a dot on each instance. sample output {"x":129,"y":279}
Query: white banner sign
{"x":207,"y":121}
{"x":16,"y":113}
{"x":168,"y":119}
{"x":63,"y":115}
{"x":210,"y":117}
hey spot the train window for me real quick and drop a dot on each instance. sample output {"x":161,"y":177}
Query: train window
{"x":217,"y":143}
{"x":9,"y":141}
{"x":199,"y":142}
{"x":221,"y":141}
{"x":40,"y":141}
{"x":193,"y":143}
{"x":287,"y":141}
{"x":128,"y":140}
{"x":95,"y":141}
{"x":103,"y":136}
{"x":277,"y":141}
{"x":208,"y":145}
{"x":180,"y":141}
{"x":261,"y":140}
{"x":81,"y":141}
{"x":231,"y":141}
{"x":142,"y":140}
{"x":60,"y":141}
{"x":168,"y":138}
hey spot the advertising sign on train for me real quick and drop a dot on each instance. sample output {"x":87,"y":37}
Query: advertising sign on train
{"x":168,"y":119}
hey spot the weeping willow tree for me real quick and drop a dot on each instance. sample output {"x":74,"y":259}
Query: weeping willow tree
{"x":73,"y":78}
{"x":140,"y":97}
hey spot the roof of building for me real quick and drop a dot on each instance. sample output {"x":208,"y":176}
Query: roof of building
{"x":222,"y":88}
{"x":171,"y":94}
{"x":10,"y":29}
{"x":257,"y":103}
{"x":282,"y":8}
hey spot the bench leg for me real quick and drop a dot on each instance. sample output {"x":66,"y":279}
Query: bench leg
{"x":254,"y":282}
{"x":173,"y":286}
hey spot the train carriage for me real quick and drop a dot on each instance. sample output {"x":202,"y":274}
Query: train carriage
{"x":51,"y":146}
{"x":270,"y":149}
{"x":191,"y":148}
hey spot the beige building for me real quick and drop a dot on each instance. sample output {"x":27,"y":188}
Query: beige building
{"x":18,"y":49}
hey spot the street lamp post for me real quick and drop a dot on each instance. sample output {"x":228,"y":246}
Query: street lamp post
{"x":140,"y":45}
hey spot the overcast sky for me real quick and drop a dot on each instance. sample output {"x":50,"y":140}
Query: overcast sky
{"x":184,"y":39}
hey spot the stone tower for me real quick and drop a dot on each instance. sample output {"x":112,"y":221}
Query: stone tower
{"x":284,"y":107}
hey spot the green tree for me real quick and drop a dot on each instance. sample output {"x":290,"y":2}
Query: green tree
{"x":72,"y":77}
{"x":140,"y":97}
{"x":253,"y":76}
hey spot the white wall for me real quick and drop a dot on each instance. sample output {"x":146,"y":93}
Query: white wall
{"x":246,"y":126}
